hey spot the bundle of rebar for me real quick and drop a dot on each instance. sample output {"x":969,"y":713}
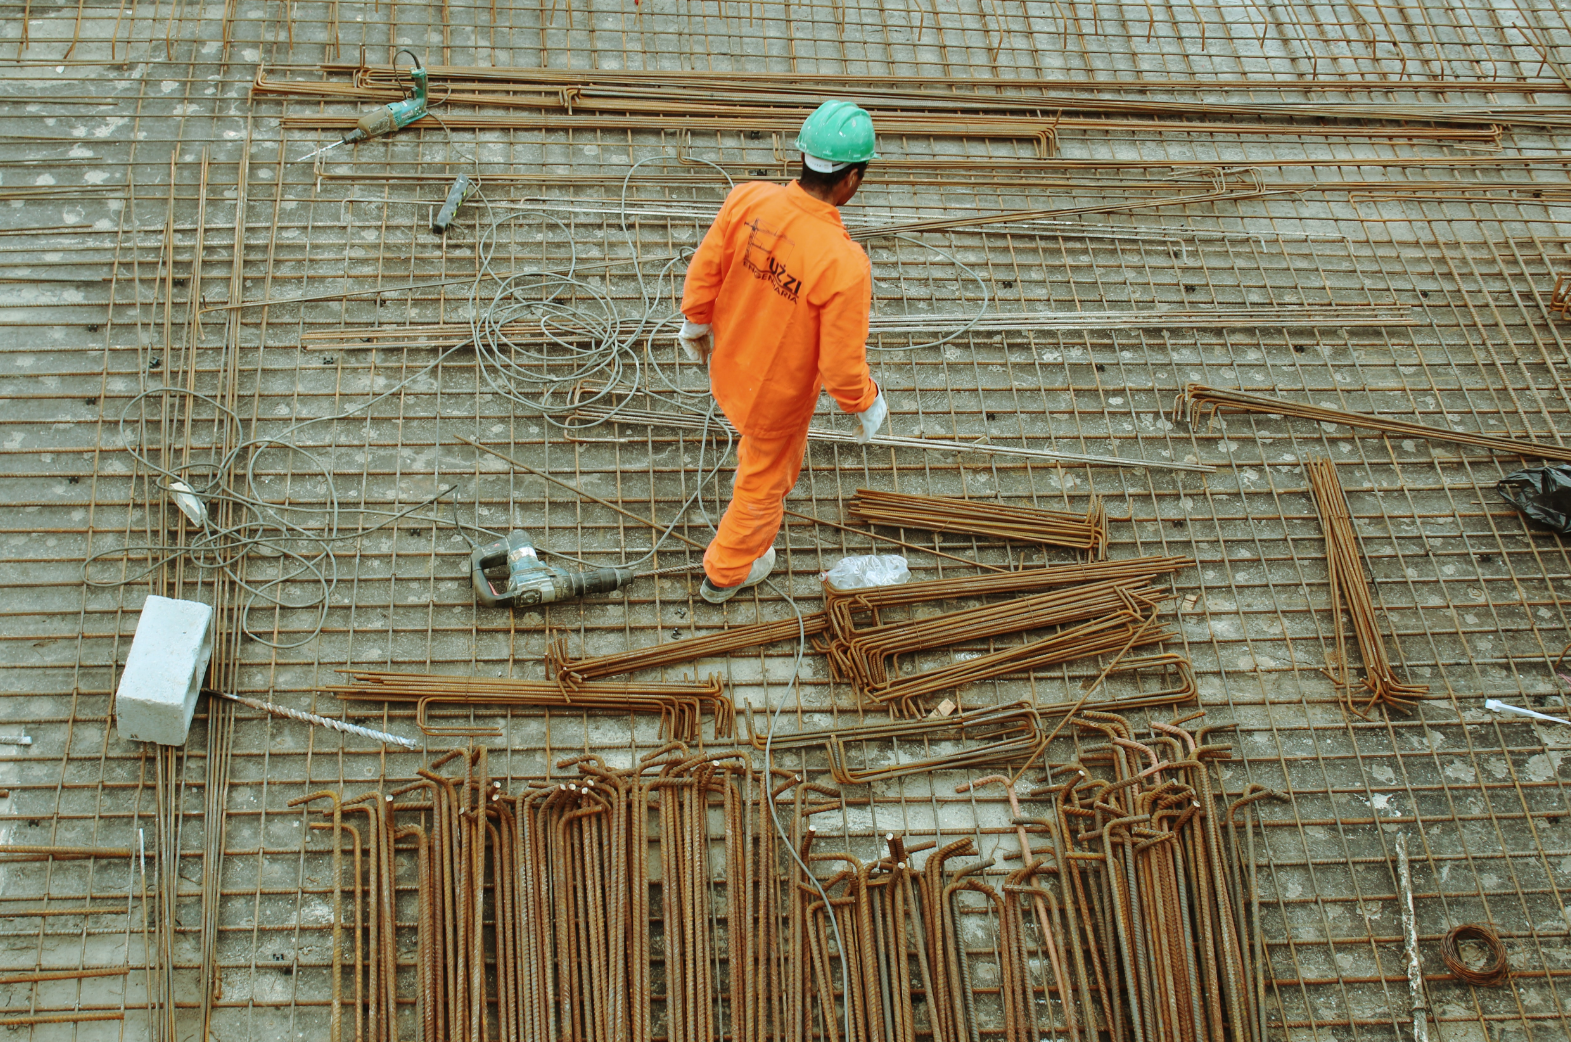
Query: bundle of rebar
{"x":1196,"y":401}
{"x":996,"y":735}
{"x":374,"y":929}
{"x":1114,"y":634}
{"x":1300,"y":316}
{"x":1128,"y":923}
{"x":781,"y":103}
{"x":868,"y":658}
{"x":978,"y":517}
{"x":538,"y":916}
{"x":1040,"y":134}
{"x":679,"y":706}
{"x":1138,"y":896}
{"x":1560,"y":297}
{"x":1345,"y":562}
{"x":844,"y":609}
{"x":574,"y":892}
{"x":991,"y":735}
{"x":541,"y":913}
{"x":1095,"y":608}
{"x":992,"y":321}
{"x":1238,"y":97}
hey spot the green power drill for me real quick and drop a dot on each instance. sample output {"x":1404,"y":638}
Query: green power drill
{"x":388,"y":118}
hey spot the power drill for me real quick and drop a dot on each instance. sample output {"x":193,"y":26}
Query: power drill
{"x":530,"y":582}
{"x":394,"y":116}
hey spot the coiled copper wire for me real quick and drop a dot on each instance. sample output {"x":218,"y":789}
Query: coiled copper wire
{"x":1493,"y":973}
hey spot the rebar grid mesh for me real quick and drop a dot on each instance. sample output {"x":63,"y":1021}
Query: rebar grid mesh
{"x":110,"y":243}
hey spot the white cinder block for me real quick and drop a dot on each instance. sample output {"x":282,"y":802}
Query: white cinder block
{"x":164,"y":671}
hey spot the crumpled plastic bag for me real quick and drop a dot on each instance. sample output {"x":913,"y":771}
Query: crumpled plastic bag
{"x":1543,"y":494}
{"x":855,"y":573}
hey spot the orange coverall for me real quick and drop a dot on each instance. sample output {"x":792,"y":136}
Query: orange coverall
{"x":787,"y":293}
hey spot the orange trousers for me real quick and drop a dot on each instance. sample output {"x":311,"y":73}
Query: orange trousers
{"x":766,"y":469}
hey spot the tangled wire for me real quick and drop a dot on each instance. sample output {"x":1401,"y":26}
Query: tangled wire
{"x":233,"y":517}
{"x":550,"y":341}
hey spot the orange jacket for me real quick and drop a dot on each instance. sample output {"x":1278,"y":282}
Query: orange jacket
{"x":787,"y":293}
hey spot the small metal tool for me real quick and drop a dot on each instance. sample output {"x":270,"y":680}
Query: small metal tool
{"x":525,"y":580}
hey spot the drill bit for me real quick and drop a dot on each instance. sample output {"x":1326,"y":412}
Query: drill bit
{"x":320,"y":721}
{"x":319,"y":151}
{"x":1503,"y":707}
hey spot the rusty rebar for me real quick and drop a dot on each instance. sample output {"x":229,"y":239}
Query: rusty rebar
{"x":680,"y":706}
{"x":536,"y":909}
{"x":982,"y":517}
{"x":576,"y":671}
{"x":1344,"y":561}
{"x":1197,"y":400}
{"x":49,"y":975}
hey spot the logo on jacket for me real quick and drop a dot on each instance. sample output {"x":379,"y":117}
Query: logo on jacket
{"x":764,"y":255}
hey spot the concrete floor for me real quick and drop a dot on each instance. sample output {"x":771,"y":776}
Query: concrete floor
{"x":135,"y":169}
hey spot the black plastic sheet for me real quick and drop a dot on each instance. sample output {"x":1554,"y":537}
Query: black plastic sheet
{"x":1543,"y":494}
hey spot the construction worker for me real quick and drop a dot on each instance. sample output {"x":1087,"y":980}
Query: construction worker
{"x":776,"y":301}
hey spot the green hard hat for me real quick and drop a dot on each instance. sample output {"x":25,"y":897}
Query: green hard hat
{"x":837,"y":131}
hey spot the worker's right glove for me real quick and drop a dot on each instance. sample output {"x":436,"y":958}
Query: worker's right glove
{"x":695,"y":341}
{"x":872,"y":418}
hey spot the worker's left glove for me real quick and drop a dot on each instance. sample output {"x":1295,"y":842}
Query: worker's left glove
{"x":695,"y":341}
{"x":872,"y":418}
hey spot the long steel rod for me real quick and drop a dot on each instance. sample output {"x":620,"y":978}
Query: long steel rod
{"x":718,"y":425}
{"x":1415,"y":972}
{"x":1196,"y":400}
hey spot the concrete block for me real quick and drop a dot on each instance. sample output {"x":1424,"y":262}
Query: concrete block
{"x":164,"y":671}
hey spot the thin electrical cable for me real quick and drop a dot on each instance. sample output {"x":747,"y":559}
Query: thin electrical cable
{"x":774,"y":814}
{"x":980,"y":312}
{"x":405,"y":50}
{"x":266,"y":529}
{"x":548,"y":380}
{"x":302,"y":552}
{"x":607,"y":362}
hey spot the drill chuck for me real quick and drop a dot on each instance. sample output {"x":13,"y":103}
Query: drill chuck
{"x":598,"y":580}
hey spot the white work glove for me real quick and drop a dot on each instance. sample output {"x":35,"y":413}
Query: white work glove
{"x":872,"y":418}
{"x":695,"y":341}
